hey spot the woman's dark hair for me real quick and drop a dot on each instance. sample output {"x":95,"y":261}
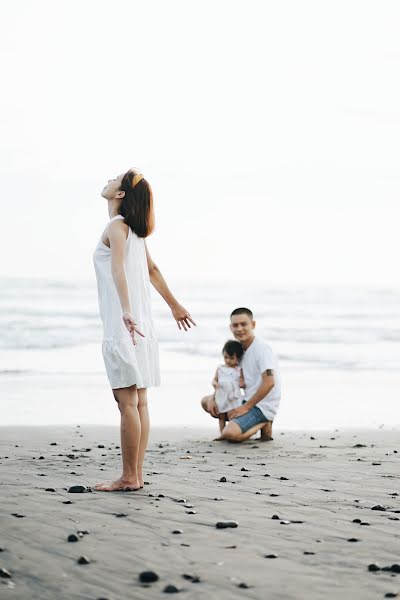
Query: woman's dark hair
{"x":231,"y":348}
{"x":137,"y":205}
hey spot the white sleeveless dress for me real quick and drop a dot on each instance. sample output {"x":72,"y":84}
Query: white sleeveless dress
{"x":125,"y":363}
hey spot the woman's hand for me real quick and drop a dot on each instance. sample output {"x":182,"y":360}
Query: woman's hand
{"x":182,"y":317}
{"x":131,"y":326}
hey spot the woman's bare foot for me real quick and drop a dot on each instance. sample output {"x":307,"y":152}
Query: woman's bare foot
{"x":119,"y":485}
{"x":140,"y":477}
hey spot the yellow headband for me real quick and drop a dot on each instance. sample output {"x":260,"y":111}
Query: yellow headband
{"x":136,"y":179}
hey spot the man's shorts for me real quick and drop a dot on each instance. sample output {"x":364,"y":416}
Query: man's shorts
{"x":251,"y":418}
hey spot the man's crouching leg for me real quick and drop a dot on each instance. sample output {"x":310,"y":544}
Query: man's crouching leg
{"x":233,"y":433}
{"x":266,"y":432}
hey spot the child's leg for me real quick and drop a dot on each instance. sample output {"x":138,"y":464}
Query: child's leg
{"x":222,"y":419}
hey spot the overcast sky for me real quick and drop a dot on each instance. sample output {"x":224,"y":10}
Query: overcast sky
{"x":269,"y":132}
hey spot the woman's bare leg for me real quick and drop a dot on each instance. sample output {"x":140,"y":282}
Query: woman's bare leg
{"x":145,"y":429}
{"x":127,"y":399}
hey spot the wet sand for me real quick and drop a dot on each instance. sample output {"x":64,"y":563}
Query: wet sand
{"x":313,"y":511}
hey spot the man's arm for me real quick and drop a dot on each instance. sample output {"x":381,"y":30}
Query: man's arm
{"x":266,"y":386}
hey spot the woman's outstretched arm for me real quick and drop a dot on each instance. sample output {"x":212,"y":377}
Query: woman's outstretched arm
{"x":180,"y":314}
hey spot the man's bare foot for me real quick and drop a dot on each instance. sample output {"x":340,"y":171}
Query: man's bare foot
{"x":266,"y":432}
{"x":119,"y":485}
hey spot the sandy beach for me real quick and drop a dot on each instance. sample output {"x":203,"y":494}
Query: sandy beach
{"x":303,"y":504}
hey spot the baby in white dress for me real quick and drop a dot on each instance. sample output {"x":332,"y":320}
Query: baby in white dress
{"x":228,"y":380}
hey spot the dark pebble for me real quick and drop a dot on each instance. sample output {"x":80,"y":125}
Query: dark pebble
{"x":378,"y":507}
{"x":5,"y":574}
{"x":364,"y":523}
{"x":270,"y":556}
{"x":267,"y":475}
{"x":243,"y":586}
{"x":244,"y":469}
{"x":274,"y":495}
{"x":177,"y":531}
{"x":67,"y":502}
{"x":170,"y":589}
{"x":73,"y":538}
{"x":297,"y":521}
{"x":148,"y":577}
{"x":100,"y":445}
{"x":49,"y":490}
{"x":376,"y":464}
{"x":226,"y":524}
{"x":18,"y":515}
{"x":356,"y":520}
{"x":395,"y":568}
{"x":390,"y":595}
{"x":307,"y":552}
{"x":192,"y":578}
{"x":373,"y":568}
{"x":1,"y":549}
{"x":312,"y":438}
{"x":83,"y":560}
{"x":353,"y":540}
{"x":83,"y":532}
{"x":275,"y":517}
{"x":359,"y":446}
{"x":285,"y":522}
{"x":53,"y":444}
{"x":41,"y":457}
{"x":78,"y":489}
{"x":223,"y":480}
{"x":283,"y":478}
{"x":120,"y":515}
{"x":191,"y":512}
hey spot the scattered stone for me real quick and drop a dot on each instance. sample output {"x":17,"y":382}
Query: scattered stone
{"x":18,"y":515}
{"x":83,"y":532}
{"x":267,"y":475}
{"x":364,"y":523}
{"x":170,"y":589}
{"x":307,"y":552}
{"x":83,"y":560}
{"x":378,"y":507}
{"x":53,"y":443}
{"x":73,"y":538}
{"x":79,"y":489}
{"x":5,"y":574}
{"x":297,"y":521}
{"x":373,"y":568}
{"x":223,"y":480}
{"x":218,"y":499}
{"x":100,"y":445}
{"x":177,"y":531}
{"x":41,"y":457}
{"x":353,"y":540}
{"x":192,"y":578}
{"x":191,"y":512}
{"x":283,"y":478}
{"x":49,"y":490}
{"x":270,"y":556}
{"x":243,"y":585}
{"x":148,"y":577}
{"x":359,"y":446}
{"x":312,"y":438}
{"x":182,"y":500}
{"x":285,"y":522}
{"x":276,"y":517}
{"x":356,"y":520}
{"x":67,"y":502}
{"x":226,"y":524}
{"x":375,"y":464}
{"x":244,"y":469}
{"x":390,"y":595}
{"x":274,"y":495}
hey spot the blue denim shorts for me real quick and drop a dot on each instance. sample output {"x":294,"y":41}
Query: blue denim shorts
{"x":251,"y":418}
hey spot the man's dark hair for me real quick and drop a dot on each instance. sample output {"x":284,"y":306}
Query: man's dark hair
{"x":243,"y":311}
{"x":231,"y":348}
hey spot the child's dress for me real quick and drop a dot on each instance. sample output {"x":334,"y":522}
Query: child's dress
{"x":228,"y":396}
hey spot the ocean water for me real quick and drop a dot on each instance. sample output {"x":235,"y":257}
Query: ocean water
{"x":51,"y":329}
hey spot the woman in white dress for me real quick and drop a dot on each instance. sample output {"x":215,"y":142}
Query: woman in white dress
{"x":124,"y":271}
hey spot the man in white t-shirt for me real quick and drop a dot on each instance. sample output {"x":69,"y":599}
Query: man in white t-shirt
{"x":262,"y":381}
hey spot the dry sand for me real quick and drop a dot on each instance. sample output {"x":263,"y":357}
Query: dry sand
{"x":317,"y":487}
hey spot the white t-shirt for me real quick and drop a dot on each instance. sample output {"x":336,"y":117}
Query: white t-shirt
{"x":256,"y":360}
